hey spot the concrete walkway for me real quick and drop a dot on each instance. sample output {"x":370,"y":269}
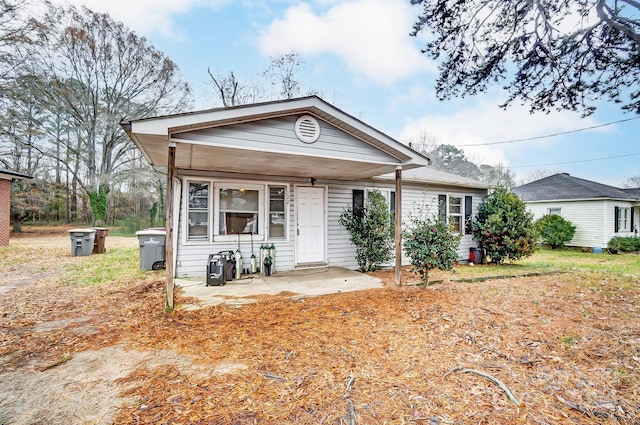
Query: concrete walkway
{"x":300,"y":283}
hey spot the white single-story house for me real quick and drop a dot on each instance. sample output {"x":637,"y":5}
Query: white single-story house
{"x":281,"y":173}
{"x":598,"y":211}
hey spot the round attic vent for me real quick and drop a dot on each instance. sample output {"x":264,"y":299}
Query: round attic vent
{"x":307,"y":129}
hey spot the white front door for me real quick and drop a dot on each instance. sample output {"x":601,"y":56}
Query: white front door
{"x":311,"y":221}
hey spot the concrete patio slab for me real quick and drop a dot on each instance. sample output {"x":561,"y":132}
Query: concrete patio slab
{"x":299,"y":283}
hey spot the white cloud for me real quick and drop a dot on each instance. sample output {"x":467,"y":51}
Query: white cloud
{"x":486,"y":123}
{"x":370,"y":36}
{"x":146,"y":16}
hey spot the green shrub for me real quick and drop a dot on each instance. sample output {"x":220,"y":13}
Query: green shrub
{"x":504,"y":228}
{"x":554,"y":230}
{"x":430,"y":244}
{"x":371,"y":231}
{"x":623,"y":244}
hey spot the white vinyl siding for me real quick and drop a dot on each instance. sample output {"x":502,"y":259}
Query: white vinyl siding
{"x":192,"y":257}
{"x":590,"y":218}
{"x":278,"y":134}
{"x":414,"y":198}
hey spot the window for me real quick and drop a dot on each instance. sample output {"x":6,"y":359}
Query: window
{"x":623,"y":219}
{"x":360,"y":197}
{"x":239,"y":211}
{"x":225,"y":211}
{"x":454,"y":212}
{"x":390,"y":197}
{"x":198,"y":211}
{"x":277,"y":212}
{"x":556,"y":211}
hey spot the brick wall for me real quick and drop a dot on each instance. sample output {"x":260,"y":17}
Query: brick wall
{"x":5,"y":210}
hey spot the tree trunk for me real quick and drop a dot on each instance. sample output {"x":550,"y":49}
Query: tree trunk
{"x":74,"y":199}
{"x":17,"y":223}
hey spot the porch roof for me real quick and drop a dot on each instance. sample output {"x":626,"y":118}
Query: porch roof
{"x":13,"y":175}
{"x":195,"y":149}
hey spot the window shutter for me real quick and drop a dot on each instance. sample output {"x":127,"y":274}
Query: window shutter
{"x":358,"y":202}
{"x":632,"y":226}
{"x":616,"y":216}
{"x":392,"y":201}
{"x":468,"y":206}
{"x":442,"y":208}
{"x":392,"y":207}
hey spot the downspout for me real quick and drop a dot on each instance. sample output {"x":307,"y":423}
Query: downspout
{"x":398,"y":224}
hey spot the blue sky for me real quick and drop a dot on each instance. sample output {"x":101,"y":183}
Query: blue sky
{"x":358,"y":55}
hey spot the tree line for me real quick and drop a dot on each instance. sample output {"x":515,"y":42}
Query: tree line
{"x":68,"y":77}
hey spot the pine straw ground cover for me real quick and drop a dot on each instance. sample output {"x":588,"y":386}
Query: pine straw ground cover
{"x":565,"y":345}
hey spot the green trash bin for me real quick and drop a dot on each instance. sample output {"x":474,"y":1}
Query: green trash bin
{"x":82,"y":241}
{"x":152,"y":248}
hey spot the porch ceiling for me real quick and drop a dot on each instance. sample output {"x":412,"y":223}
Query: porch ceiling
{"x":243,"y":161}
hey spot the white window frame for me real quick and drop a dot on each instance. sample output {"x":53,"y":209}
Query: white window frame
{"x":386,"y":194}
{"x":214,"y":209}
{"x":269,"y":212}
{"x":624,"y":219}
{"x":447,"y":212}
{"x":187,"y":210}
{"x":556,"y":211}
{"x":459,"y":214}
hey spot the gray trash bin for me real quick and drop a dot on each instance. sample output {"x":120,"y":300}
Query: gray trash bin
{"x":152,"y":248}
{"x":82,"y":241}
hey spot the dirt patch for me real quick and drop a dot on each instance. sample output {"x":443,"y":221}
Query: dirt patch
{"x":81,"y":390}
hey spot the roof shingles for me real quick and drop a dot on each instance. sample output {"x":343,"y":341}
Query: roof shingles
{"x":562,"y":186}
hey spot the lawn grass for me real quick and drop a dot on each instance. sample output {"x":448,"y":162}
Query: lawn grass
{"x":572,"y":260}
{"x":115,"y":265}
{"x":123,"y":263}
{"x":545,"y":261}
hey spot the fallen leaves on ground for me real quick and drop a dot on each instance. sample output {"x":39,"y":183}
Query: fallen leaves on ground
{"x":566,"y":345}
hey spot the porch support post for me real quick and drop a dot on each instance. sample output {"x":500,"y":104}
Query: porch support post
{"x":171,"y":165}
{"x":398,"y":226}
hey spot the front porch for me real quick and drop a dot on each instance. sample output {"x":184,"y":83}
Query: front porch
{"x":298,"y":283}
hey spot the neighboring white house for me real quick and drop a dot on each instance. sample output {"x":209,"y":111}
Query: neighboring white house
{"x":281,"y":173}
{"x":598,"y":211}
